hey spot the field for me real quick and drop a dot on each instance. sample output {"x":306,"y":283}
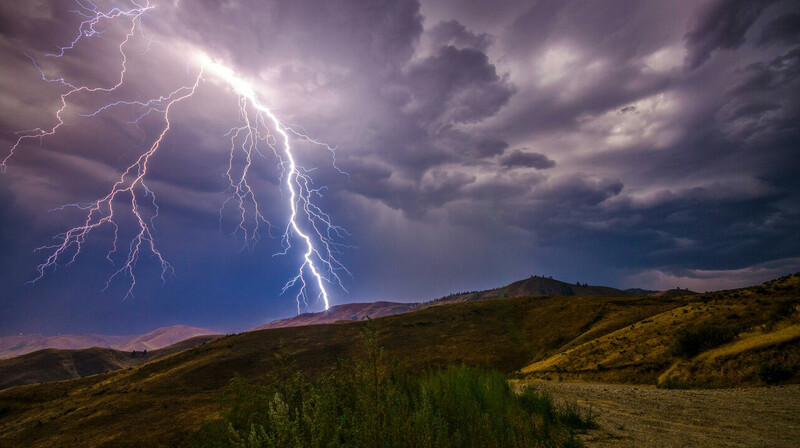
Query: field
{"x":637,"y":416}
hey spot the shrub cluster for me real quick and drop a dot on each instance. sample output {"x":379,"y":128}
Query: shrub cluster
{"x":374,"y":402}
{"x":774,"y":373}
{"x":688,"y":342}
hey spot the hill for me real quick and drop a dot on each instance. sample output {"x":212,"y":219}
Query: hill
{"x":672,"y":293}
{"x":182,"y":388}
{"x":21,"y":344}
{"x":162,"y":337}
{"x":55,"y":364}
{"x":629,"y":336}
{"x":533,"y":287}
{"x":346,"y":312}
{"x":742,"y":337}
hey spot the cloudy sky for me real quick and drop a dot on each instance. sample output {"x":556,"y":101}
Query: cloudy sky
{"x":635,"y":143}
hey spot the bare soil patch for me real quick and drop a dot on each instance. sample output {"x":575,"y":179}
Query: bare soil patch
{"x":640,"y":416}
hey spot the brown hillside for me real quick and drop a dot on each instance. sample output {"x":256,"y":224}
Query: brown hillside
{"x":673,"y":293}
{"x":763,"y":322}
{"x":22,"y":344}
{"x":346,"y":312}
{"x":533,"y":287}
{"x":540,"y":286}
{"x":161,"y":337}
{"x":129,"y":407}
{"x":55,"y":365}
{"x":606,"y":338}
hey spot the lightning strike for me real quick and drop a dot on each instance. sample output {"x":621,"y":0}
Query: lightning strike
{"x":259,"y":128}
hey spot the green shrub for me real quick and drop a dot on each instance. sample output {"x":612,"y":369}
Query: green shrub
{"x":539,"y":402}
{"x":575,"y":418}
{"x":774,"y":373}
{"x":675,"y":383}
{"x":374,"y":402}
{"x":781,"y":311}
{"x":688,"y":342}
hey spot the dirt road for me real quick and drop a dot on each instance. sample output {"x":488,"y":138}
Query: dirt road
{"x":631,"y":416}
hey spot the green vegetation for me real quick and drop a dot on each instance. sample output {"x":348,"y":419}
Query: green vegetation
{"x":688,"y":342}
{"x":774,"y":373}
{"x":375,"y":402}
{"x":677,"y":383}
{"x":602,"y":339}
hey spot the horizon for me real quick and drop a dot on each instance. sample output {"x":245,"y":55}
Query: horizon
{"x":446,"y":146}
{"x":235,"y":330}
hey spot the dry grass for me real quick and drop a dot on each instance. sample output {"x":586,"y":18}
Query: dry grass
{"x":56,"y":364}
{"x":765,"y":319}
{"x":608,"y":339}
{"x":130,"y":407}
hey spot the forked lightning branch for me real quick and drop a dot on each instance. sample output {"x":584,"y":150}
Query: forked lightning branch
{"x":308,"y":233}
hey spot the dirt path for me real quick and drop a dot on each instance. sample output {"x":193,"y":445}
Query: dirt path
{"x":631,"y":416}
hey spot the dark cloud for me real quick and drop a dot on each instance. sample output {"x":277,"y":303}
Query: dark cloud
{"x":534,"y":27}
{"x":722,"y":25}
{"x":448,"y":117}
{"x":251,"y":32}
{"x":452,"y":33}
{"x":456,"y":86}
{"x":525,"y":159}
{"x":769,"y":77}
{"x":577,"y":191}
{"x":784,"y":29}
{"x":764,"y":101}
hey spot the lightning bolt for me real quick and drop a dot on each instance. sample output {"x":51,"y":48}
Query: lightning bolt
{"x":86,"y":29}
{"x":259,"y":128}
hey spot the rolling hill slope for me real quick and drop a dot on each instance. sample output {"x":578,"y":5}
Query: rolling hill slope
{"x":532,"y":287}
{"x":129,"y":407}
{"x":535,"y":286}
{"x":161,"y":337}
{"x":622,"y":339}
{"x":21,"y":344}
{"x":342,"y":313}
{"x":735,"y":335}
{"x":55,"y":365}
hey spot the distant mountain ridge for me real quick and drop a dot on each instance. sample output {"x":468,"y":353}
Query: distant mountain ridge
{"x":345,"y":312}
{"x":53,"y":364}
{"x":529,"y":287}
{"x":536,"y":286}
{"x":624,"y":340}
{"x":161,"y":337}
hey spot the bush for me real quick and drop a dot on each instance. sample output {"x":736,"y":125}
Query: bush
{"x":774,"y":373}
{"x":575,"y":418}
{"x":375,"y":402}
{"x":688,"y":342}
{"x":540,"y":403}
{"x":675,"y":383}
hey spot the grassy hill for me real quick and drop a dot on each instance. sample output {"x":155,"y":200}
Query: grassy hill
{"x":162,"y":337}
{"x":715,"y":339}
{"x":129,"y":407}
{"x":346,"y":312}
{"x":533,"y":287}
{"x":621,"y":339}
{"x":55,"y":364}
{"x":17,"y":345}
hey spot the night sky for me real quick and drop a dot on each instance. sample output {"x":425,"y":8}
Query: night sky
{"x":648,"y":144}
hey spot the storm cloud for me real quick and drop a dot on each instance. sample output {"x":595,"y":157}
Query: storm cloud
{"x":628,"y":143}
